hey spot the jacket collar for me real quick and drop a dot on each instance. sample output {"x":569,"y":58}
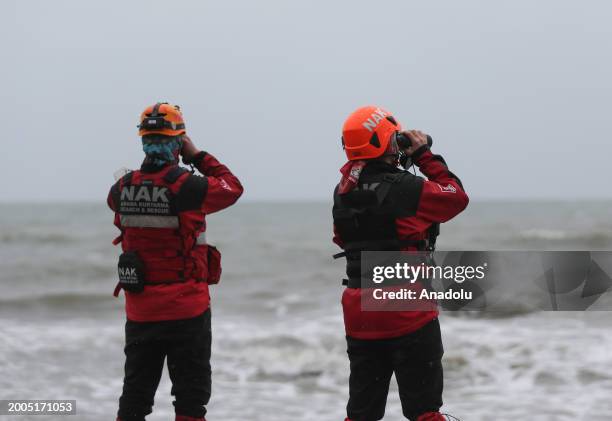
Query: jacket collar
{"x":149,"y":167}
{"x":377,"y":166}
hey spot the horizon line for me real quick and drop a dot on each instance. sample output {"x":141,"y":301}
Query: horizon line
{"x":318,"y":200}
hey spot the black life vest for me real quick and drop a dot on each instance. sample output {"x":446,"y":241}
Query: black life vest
{"x":365,"y":218}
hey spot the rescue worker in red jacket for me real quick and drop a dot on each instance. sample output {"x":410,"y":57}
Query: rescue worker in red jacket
{"x":166,"y":265}
{"x":380,"y":206}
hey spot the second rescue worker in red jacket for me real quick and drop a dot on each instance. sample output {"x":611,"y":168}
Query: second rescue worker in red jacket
{"x":379,"y":206}
{"x":167,"y":265}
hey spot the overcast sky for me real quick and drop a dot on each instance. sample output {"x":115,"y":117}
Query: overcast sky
{"x":516,"y":94}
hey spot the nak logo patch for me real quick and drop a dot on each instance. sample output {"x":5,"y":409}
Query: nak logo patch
{"x":127,"y":272}
{"x":224,"y":184}
{"x":448,"y":188}
{"x":356,"y":171}
{"x":128,"y":275}
{"x":145,"y":193}
{"x":146,"y":200}
{"x":376,"y":117}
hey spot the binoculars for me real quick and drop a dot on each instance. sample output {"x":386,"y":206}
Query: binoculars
{"x":404,"y":141}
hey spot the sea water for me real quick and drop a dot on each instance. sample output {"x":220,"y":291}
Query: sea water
{"x":279,"y":351}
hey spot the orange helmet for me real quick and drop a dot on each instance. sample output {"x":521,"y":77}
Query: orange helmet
{"x":162,"y":118}
{"x":367,"y":132}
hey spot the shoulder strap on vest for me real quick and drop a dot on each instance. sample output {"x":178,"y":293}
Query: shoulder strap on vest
{"x":173,"y":174}
{"x":385,"y":186}
{"x":432,"y":236}
{"x":341,"y":211}
{"x":127,"y":179}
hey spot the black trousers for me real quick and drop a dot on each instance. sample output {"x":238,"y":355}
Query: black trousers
{"x":416,"y":360}
{"x":186,"y":344}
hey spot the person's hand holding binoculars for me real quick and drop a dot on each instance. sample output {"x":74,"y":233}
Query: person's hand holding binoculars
{"x":188,"y":149}
{"x":415,"y":139}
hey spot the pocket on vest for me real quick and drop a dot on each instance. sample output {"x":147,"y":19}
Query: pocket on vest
{"x":214,"y":265}
{"x":131,"y":272}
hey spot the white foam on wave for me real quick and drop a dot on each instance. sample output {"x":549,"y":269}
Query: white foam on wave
{"x":536,"y":366}
{"x":538,"y":360}
{"x":595,"y":237}
{"x":543,"y":234}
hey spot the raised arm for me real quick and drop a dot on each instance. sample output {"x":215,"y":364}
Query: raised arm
{"x":224,"y":188}
{"x":442,"y":196}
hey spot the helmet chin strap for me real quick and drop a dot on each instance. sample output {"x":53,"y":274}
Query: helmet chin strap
{"x":405,"y":161}
{"x":396,"y":158}
{"x":393,"y":151}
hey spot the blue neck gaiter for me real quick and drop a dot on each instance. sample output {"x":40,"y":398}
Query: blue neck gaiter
{"x":161,"y":150}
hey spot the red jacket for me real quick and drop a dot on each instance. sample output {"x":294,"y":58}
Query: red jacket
{"x":440,"y":198}
{"x":217,"y":190}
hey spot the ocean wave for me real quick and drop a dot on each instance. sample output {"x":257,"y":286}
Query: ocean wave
{"x":509,"y":310}
{"x":543,"y":234}
{"x":305,"y":352}
{"x":55,"y":278}
{"x":56,"y":300}
{"x":37,"y":237}
{"x":540,"y":237}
